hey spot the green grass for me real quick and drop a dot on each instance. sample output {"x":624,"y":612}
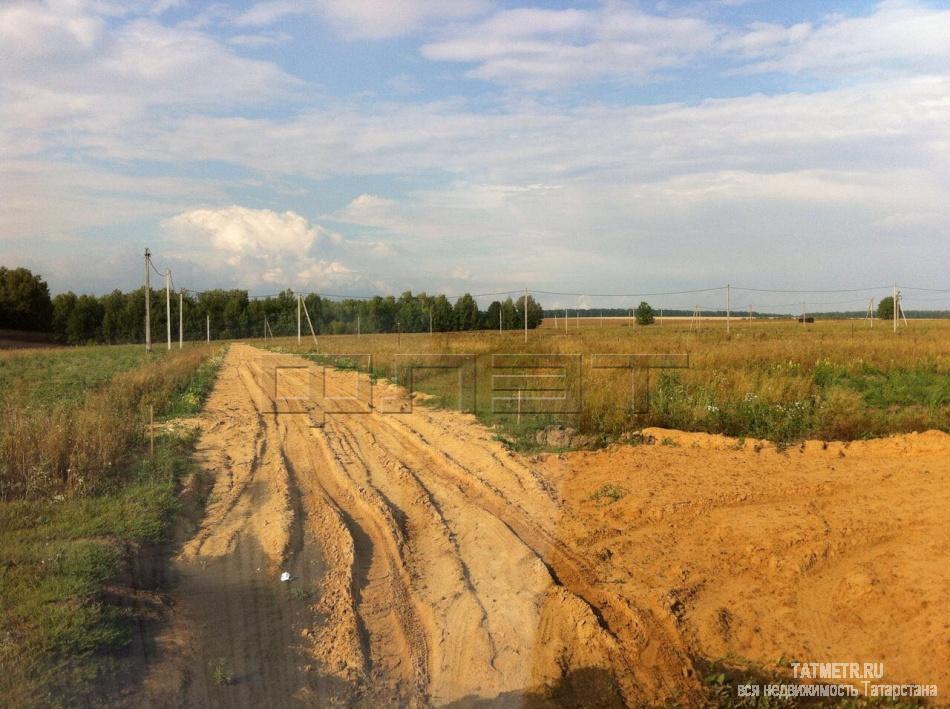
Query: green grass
{"x":47,"y":376}
{"x":59,"y":632}
{"x":608,"y":493}
{"x":923,"y":385}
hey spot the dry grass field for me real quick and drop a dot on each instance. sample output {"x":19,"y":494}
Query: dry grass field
{"x":766,"y":379}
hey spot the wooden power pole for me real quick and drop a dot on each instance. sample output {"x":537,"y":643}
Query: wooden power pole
{"x":168,"y":306}
{"x":148,"y":302}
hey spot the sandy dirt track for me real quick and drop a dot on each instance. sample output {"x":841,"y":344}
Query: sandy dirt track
{"x":433,"y":566}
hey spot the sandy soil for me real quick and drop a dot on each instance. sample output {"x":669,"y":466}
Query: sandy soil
{"x":821,"y":552}
{"x":432,"y":566}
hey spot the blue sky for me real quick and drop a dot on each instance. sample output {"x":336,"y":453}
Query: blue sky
{"x":363,"y":146}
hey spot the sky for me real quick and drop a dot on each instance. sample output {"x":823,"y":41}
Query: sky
{"x":372,"y":146}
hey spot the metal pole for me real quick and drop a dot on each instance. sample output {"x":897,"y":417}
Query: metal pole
{"x":499,"y":319}
{"x":357,"y":324}
{"x":168,"y":306}
{"x":208,"y":327}
{"x":148,"y":302}
{"x":181,"y":318}
{"x":298,"y":318}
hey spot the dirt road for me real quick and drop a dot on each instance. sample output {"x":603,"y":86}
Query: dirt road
{"x":432,"y":566}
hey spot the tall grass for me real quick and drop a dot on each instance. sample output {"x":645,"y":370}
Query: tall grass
{"x":76,"y":444}
{"x":775,"y":380}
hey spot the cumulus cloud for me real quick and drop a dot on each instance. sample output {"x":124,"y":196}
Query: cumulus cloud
{"x":256,"y":247}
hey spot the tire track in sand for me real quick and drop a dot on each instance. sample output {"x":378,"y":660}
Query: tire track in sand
{"x":460,"y":585}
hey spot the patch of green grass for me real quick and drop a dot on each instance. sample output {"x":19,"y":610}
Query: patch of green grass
{"x":221,"y":673}
{"x":59,"y":375}
{"x":58,"y":629}
{"x":190,"y":400}
{"x":297,"y":593}
{"x":923,"y":385}
{"x":608,"y":493}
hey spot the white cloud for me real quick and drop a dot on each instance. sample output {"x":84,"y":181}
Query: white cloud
{"x":604,"y":192}
{"x":546,"y":48}
{"x":257,"y":247}
{"x":70,"y":73}
{"x":899,"y":35}
{"x":620,"y":42}
{"x":364,"y":19}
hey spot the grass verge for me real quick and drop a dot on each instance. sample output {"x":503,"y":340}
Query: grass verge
{"x":65,"y":564}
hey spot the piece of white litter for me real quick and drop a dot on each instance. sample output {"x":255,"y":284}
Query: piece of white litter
{"x":285,"y":576}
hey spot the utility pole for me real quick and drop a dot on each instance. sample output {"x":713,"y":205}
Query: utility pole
{"x":148,"y":302}
{"x":181,"y":318}
{"x":894,"y":303}
{"x":298,"y":318}
{"x":728,"y":306}
{"x":430,"y":320}
{"x":499,"y":321}
{"x":525,"y":314}
{"x":168,"y":306}
{"x":208,"y":327}
{"x":357,"y":324}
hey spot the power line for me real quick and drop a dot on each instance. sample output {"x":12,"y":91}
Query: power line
{"x":832,"y":290}
{"x":628,"y":295}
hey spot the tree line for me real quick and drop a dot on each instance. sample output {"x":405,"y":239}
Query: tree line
{"x":119,"y":317}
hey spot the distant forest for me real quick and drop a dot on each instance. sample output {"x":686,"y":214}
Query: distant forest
{"x":119,"y":317}
{"x":738,"y":314}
